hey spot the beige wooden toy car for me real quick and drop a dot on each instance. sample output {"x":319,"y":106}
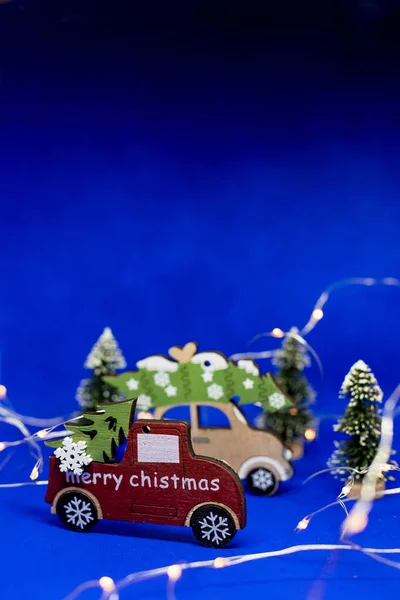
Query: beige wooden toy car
{"x":258,"y":456}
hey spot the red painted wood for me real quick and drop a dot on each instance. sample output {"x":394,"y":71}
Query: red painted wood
{"x":156,"y":492}
{"x":153,"y":510}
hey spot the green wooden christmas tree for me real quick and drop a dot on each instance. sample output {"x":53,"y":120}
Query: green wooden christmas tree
{"x":291,"y":361}
{"x":361,"y":422}
{"x":105,"y":358}
{"x":193,"y":377}
{"x":102,"y":430}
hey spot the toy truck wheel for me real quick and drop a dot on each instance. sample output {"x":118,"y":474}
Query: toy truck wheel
{"x":77,"y":511}
{"x":262,"y":482}
{"x":213,"y":526}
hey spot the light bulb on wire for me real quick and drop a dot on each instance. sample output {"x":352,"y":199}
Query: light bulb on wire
{"x":107,"y":584}
{"x":310,"y":434}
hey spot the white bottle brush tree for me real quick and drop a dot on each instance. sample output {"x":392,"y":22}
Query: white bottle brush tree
{"x":105,"y":358}
{"x":291,"y":361}
{"x":361,"y":422}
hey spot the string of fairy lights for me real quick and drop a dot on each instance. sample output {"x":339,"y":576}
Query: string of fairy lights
{"x":110,"y":588}
{"x":356,"y":520}
{"x":316,"y":315}
{"x":8,"y":416}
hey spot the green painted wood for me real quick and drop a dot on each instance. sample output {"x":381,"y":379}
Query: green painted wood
{"x":175,"y":383}
{"x":102,"y":430}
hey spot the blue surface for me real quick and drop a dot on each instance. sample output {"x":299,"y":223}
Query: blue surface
{"x":199,"y":173}
{"x":57,"y":560}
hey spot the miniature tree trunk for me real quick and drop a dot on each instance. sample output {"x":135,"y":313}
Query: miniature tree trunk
{"x":291,"y":424}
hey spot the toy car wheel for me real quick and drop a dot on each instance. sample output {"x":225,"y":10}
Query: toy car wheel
{"x":262,"y":482}
{"x":77,"y":511}
{"x":213,"y":526}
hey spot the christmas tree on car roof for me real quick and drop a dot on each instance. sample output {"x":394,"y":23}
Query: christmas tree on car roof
{"x":191,"y":376}
{"x":361,"y":422}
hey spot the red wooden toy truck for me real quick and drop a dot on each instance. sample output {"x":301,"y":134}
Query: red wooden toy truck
{"x":160,"y":480}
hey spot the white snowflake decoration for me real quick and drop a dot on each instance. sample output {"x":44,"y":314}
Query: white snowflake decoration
{"x":248,"y":384}
{"x":72,"y":456}
{"x":143,"y":402}
{"x":214,"y":528}
{"x":262,"y":479}
{"x":132,"y":384}
{"x":215,"y":391}
{"x":78,"y":512}
{"x":277,"y":400}
{"x":106,"y":350}
{"x":207,"y":376}
{"x":170,"y":390}
{"x":161,"y":379}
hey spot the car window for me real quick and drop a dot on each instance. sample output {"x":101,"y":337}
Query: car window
{"x":210,"y":416}
{"x":253,"y":413}
{"x":178,"y":413}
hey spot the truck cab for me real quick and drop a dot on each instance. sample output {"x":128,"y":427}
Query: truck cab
{"x":222,"y":430}
{"x":160,"y":480}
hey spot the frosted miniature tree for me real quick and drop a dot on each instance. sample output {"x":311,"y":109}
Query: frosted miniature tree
{"x":291,"y":361}
{"x":361,"y":421}
{"x":104,"y":359}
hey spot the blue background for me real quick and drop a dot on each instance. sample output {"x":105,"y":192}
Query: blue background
{"x":195,"y":171}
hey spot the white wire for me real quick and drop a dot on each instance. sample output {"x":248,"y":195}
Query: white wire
{"x":228,"y":562}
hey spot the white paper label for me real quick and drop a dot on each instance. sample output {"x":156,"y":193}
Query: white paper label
{"x":158,"y":448}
